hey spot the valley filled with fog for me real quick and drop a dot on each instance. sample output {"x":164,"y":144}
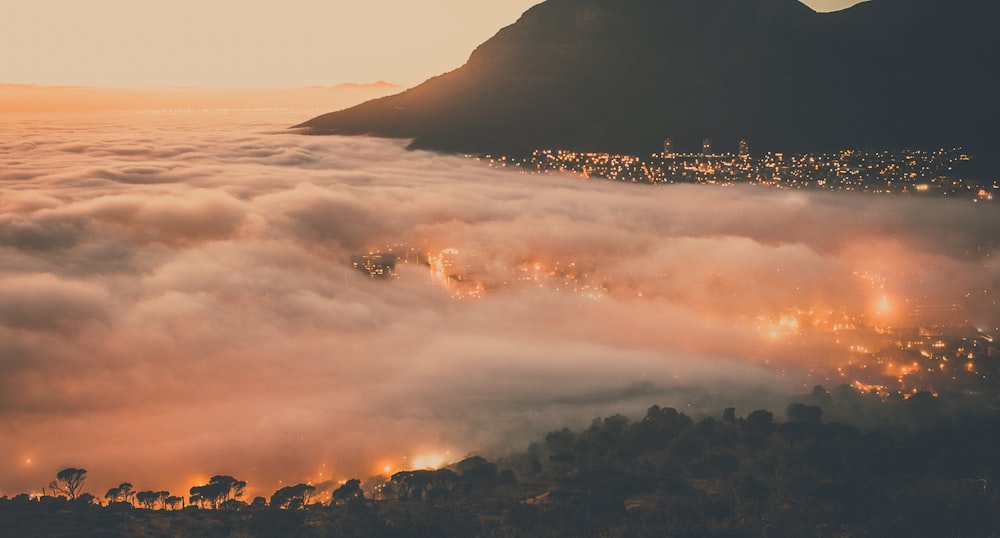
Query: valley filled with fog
{"x":177,"y":298}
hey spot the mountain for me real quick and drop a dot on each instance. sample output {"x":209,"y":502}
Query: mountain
{"x":622,"y":75}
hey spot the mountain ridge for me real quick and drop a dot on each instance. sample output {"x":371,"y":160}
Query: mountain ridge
{"x":622,"y":75}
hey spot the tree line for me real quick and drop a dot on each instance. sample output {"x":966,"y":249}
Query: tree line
{"x":222,"y":492}
{"x":922,"y":465}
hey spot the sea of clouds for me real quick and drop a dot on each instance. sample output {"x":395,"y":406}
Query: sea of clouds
{"x":177,"y":298}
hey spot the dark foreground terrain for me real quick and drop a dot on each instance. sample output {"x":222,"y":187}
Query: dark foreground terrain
{"x":922,"y":466}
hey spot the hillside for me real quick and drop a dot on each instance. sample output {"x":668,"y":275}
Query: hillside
{"x":622,"y":75}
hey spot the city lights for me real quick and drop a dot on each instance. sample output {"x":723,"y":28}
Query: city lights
{"x":893,"y":346}
{"x":874,"y":172}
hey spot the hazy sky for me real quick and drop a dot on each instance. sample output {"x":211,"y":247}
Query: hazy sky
{"x":247,"y":43}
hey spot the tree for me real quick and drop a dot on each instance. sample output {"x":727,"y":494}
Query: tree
{"x":196,"y":498}
{"x":820,"y":396}
{"x":220,"y":488}
{"x":88,"y":498}
{"x":128,"y":494}
{"x":210,"y":494}
{"x":123,"y":493}
{"x":173,"y":502}
{"x":560,"y":442}
{"x":478,"y":473}
{"x":69,"y":481}
{"x":760,"y":422}
{"x":149,"y":499}
{"x":758,"y":426}
{"x":349,"y":491}
{"x":292,"y":497}
{"x":798,"y":412}
{"x":804,"y":422}
{"x":232,"y":487}
{"x":146,"y":499}
{"x":420,"y":484}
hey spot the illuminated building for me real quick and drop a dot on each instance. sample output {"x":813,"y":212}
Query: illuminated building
{"x":381,"y":266}
{"x":744,"y":151}
{"x":458,"y":279}
{"x":668,"y":148}
{"x":706,"y":146}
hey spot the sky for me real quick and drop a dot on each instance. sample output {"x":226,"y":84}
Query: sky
{"x":177,"y":299}
{"x":247,"y":43}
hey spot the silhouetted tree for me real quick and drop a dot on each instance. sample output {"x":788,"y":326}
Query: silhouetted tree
{"x":87,"y":498}
{"x":69,"y":481}
{"x":419,"y":484}
{"x":233,"y":488}
{"x":478,"y":473}
{"x":149,"y":499}
{"x":128,"y":494}
{"x":146,"y":499}
{"x":349,"y":491}
{"x":292,"y":497}
{"x":196,"y":498}
{"x":122,"y":493}
{"x":820,"y":396}
{"x":757,"y":427}
{"x":210,"y":494}
{"x":760,"y":422}
{"x":560,"y":442}
{"x":173,"y":502}
{"x":220,"y":488}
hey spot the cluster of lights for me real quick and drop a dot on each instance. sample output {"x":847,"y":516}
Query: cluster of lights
{"x":457,"y":279}
{"x":887,"y":350}
{"x":875,"y":172}
{"x":872,"y":341}
{"x":464,"y":280}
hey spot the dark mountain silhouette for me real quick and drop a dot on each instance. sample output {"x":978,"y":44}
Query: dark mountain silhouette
{"x":622,"y":75}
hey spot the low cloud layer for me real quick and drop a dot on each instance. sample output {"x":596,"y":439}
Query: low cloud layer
{"x":177,"y":298}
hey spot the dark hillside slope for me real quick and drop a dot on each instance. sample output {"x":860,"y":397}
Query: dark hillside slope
{"x":622,"y":75}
